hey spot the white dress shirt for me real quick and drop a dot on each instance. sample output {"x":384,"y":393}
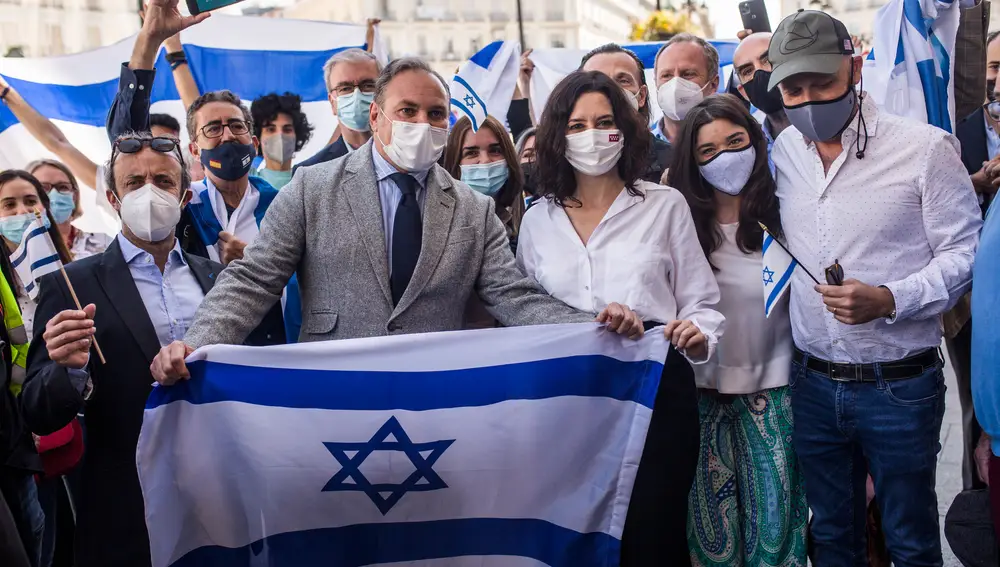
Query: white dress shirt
{"x":390,"y":195}
{"x":644,"y":254}
{"x":756,"y":352}
{"x":171,"y":297}
{"x":905,"y":216}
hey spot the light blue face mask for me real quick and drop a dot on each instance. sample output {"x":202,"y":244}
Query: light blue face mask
{"x":12,"y":228}
{"x":61,"y":205}
{"x":487,"y":178}
{"x":352,"y":110}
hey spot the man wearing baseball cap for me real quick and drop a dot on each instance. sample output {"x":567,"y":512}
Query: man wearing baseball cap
{"x":887,"y":200}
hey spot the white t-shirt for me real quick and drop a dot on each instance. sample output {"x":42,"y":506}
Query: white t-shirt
{"x":756,"y":352}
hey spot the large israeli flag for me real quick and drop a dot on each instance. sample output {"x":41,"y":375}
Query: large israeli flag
{"x":778,"y":266}
{"x":551,"y":65}
{"x":34,"y":257}
{"x":250,"y":56}
{"x":499,"y":447}
{"x":485,"y":84}
{"x":910,"y":70}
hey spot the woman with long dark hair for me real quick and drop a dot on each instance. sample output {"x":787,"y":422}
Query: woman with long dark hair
{"x":486,"y":161}
{"x":601,"y":234}
{"x":720,"y":165}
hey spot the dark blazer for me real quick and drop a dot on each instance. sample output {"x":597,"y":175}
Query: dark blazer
{"x":971,"y":134}
{"x":111,"y":529}
{"x":335,"y":150}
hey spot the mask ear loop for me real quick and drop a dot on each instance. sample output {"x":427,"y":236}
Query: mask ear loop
{"x":862,"y":125}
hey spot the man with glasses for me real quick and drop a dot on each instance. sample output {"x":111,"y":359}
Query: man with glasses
{"x":350,"y":80}
{"x":140,"y":294}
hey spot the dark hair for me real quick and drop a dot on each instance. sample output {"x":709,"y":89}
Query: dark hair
{"x":215,"y":96}
{"x":522,"y":140}
{"x":510,"y":195}
{"x":993,"y":35}
{"x":554,"y":173}
{"x":165,"y":121}
{"x":266,"y":109}
{"x":615,"y":48}
{"x":38,"y":163}
{"x":402,"y":65}
{"x":109,"y":169}
{"x":759,"y":202}
{"x":57,"y":239}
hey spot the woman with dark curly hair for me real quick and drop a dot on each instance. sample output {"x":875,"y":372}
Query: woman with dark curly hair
{"x":601,"y":234}
{"x":720,"y":165}
{"x":283,"y":130}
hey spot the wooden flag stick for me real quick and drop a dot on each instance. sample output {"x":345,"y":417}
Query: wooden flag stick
{"x":76,"y":300}
{"x":799,"y":264}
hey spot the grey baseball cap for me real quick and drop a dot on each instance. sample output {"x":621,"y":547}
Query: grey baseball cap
{"x":808,"y":41}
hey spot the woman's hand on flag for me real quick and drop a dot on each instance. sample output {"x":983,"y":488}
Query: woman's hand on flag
{"x":687,"y":338}
{"x":618,"y":318}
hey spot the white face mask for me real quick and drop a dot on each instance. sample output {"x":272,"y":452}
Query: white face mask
{"x":633,"y":99}
{"x":414,"y":146}
{"x":594,"y":152}
{"x":150,"y":212}
{"x":678,"y":96}
{"x":728,"y":171}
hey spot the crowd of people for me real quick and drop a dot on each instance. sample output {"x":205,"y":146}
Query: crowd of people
{"x":810,"y":433}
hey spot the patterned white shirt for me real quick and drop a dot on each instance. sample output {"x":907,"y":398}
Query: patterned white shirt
{"x":905,"y":216}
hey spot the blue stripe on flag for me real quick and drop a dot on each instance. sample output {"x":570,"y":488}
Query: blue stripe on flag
{"x":249,"y":73}
{"x":29,"y":287}
{"x":768,"y":239}
{"x":484,"y":57}
{"x":472,"y":91}
{"x":465,"y":110}
{"x":24,"y":252}
{"x":589,"y":375}
{"x":44,"y":262}
{"x":779,"y":286}
{"x":366,"y":544}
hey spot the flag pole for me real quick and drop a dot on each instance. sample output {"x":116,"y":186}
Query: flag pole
{"x":799,"y":264}
{"x":76,"y":300}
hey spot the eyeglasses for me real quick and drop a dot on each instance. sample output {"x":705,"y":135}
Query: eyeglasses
{"x":346,"y":89}
{"x":835,"y":274}
{"x":134,"y":145}
{"x":60,"y":187}
{"x":215,"y":129}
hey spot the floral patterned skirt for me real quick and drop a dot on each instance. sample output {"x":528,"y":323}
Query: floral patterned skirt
{"x":748,"y":502}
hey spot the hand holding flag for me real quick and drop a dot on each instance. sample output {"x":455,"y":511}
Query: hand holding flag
{"x":778,"y":264}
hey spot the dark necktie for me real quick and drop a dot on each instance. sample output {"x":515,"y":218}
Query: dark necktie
{"x":406,"y":235}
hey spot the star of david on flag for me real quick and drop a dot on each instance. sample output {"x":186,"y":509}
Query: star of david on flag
{"x":778,"y":266}
{"x":390,"y":437}
{"x":485,"y":84}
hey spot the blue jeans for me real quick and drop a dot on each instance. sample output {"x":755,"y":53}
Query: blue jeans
{"x":843,"y":431}
{"x":31,"y":512}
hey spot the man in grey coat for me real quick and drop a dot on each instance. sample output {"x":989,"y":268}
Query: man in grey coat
{"x":384,"y":242}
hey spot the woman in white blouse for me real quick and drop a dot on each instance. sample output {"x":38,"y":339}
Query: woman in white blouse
{"x":720,"y":164}
{"x":602,"y":235}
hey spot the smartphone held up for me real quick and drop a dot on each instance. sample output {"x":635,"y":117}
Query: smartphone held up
{"x":200,"y":6}
{"x":754,"y":15}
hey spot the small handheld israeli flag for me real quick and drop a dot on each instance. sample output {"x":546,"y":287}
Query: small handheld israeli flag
{"x":35,"y":256}
{"x":778,"y":265}
{"x":485,"y":83}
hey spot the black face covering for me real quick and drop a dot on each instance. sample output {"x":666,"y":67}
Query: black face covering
{"x":990,"y":86}
{"x":769,"y":101}
{"x":529,"y":182}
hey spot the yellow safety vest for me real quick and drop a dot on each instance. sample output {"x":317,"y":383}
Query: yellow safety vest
{"x":18,"y":336}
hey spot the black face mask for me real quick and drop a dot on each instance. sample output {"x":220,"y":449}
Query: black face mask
{"x":990,"y":86}
{"x":769,"y":101}
{"x":528,"y":169}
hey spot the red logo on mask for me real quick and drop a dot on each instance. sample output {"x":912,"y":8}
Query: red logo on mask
{"x":614,"y":137}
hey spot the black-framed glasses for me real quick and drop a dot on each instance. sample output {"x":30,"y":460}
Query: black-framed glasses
{"x":835,"y":274}
{"x":134,"y":145}
{"x":346,"y":89}
{"x":216,"y":129}
{"x":60,"y":187}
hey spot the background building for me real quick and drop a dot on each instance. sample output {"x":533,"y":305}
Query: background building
{"x":447,"y":32}
{"x":54,"y":27}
